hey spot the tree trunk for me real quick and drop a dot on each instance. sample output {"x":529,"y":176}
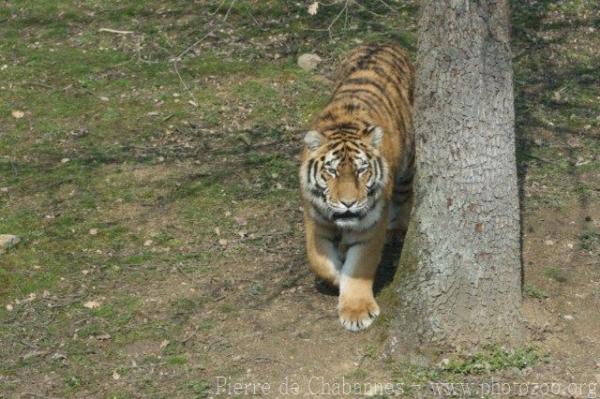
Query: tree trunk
{"x":459,"y":279}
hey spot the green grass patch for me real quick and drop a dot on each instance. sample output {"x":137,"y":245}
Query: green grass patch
{"x":589,"y":240}
{"x":199,"y":388}
{"x":176,"y":360}
{"x":555,"y":274}
{"x":493,"y":359}
{"x":531,"y":291}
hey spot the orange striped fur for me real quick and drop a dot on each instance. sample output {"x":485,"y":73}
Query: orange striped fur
{"x":356,"y":175}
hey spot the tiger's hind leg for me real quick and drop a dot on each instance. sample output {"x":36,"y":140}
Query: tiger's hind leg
{"x":401,"y":206}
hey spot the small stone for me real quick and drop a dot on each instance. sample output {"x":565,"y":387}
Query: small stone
{"x":64,"y":160}
{"x":549,"y":242}
{"x":3,"y":189}
{"x":223,"y":242}
{"x":8,"y":241}
{"x":570,"y":245}
{"x":104,"y":98}
{"x":9,"y":307}
{"x":148,"y":243}
{"x":568,"y":317}
{"x":116,"y":376}
{"x":93,"y":232}
{"x":308,"y":61}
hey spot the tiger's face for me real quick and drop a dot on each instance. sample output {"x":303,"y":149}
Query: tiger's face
{"x":343,"y":177}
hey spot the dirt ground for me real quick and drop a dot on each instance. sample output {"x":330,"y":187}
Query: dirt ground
{"x":151,"y":175}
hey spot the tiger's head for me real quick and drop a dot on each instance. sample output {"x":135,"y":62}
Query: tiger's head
{"x":343,"y":177}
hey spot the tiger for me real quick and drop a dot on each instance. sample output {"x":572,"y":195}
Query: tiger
{"x":356,"y":173}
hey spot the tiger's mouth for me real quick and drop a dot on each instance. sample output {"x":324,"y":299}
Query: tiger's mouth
{"x":345,"y":215}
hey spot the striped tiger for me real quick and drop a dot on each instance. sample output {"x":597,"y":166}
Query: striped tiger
{"x":356,"y":175}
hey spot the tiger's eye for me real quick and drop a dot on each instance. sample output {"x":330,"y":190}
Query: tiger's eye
{"x":362,"y":168}
{"x":329,"y":168}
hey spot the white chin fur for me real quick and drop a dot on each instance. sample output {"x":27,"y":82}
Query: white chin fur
{"x":356,"y":224}
{"x":364,"y":223}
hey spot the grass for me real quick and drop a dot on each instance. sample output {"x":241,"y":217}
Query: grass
{"x":201,"y":389}
{"x":532,"y":291}
{"x":555,"y":274}
{"x":589,"y":240}
{"x":493,"y":359}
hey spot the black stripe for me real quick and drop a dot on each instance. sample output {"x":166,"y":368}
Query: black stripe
{"x":368,"y":105}
{"x":318,"y":193}
{"x":391,"y":77}
{"x":342,"y":126}
{"x":327,"y":116}
{"x":398,"y":58}
{"x":366,"y":81}
{"x":353,"y":92}
{"x":369,"y":82}
{"x":313,"y":172}
{"x":377,"y":170}
{"x":349,"y":107}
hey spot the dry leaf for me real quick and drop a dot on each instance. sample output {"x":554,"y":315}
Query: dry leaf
{"x":17,"y":114}
{"x":116,"y":375}
{"x":313,"y":8}
{"x":164,"y":344}
{"x":93,"y":232}
{"x":223,"y":242}
{"x":91,"y":304}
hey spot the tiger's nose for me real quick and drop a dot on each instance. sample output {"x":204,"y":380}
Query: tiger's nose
{"x":348,"y":204}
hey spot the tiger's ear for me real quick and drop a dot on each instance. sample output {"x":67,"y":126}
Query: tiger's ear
{"x":313,"y":140}
{"x":375,"y":133}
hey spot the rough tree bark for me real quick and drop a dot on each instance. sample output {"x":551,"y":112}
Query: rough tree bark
{"x":459,"y":278}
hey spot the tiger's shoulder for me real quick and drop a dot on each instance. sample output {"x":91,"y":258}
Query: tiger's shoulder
{"x":375,"y":87}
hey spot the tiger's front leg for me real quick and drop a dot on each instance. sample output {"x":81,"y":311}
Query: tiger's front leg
{"x":323,"y":255}
{"x":357,"y":307}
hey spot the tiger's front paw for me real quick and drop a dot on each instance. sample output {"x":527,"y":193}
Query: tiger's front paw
{"x":357,"y":313}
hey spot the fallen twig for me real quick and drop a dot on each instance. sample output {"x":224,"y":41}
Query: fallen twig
{"x":119,"y":32}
